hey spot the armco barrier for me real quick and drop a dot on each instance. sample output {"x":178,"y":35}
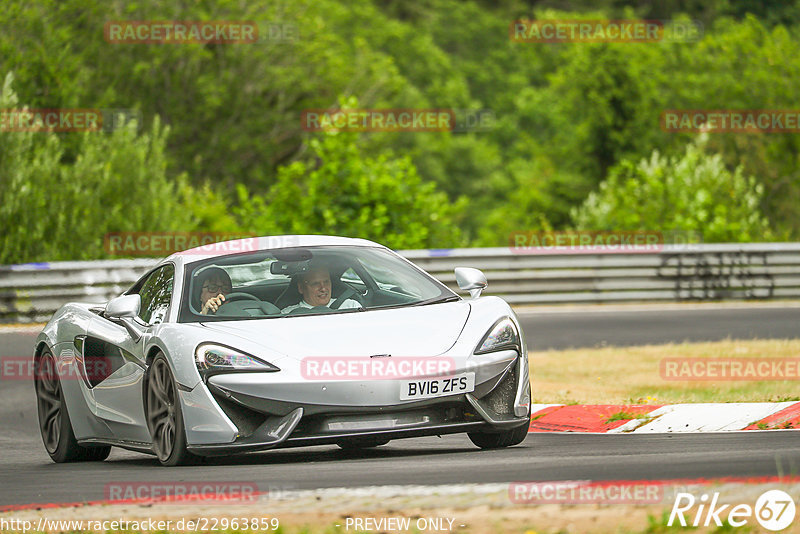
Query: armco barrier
{"x":32,"y":292}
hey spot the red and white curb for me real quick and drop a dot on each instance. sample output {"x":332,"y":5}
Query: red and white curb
{"x":648,"y":418}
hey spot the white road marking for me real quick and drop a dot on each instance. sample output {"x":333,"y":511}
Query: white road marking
{"x":703,"y":417}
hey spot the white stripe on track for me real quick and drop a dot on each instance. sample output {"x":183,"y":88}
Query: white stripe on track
{"x":703,"y":417}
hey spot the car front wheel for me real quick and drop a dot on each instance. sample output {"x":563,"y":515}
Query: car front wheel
{"x":164,"y":416}
{"x":499,"y":440}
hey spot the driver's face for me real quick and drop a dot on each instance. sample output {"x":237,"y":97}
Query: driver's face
{"x":213,"y":287}
{"x":316,"y":287}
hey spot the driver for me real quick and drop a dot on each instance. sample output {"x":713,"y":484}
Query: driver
{"x":214,"y":285}
{"x":315,"y":287}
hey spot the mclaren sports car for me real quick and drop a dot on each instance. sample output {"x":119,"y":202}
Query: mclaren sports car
{"x":280,"y":342}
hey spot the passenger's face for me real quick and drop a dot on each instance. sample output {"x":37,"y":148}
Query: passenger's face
{"x":315,"y":287}
{"x":213,"y":287}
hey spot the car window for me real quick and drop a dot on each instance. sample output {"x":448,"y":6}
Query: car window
{"x":387,"y":275}
{"x":248,"y":274}
{"x":265,"y":283}
{"x":351,"y":277}
{"x":156,"y":293}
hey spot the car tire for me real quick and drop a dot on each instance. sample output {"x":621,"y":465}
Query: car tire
{"x":361,"y":443}
{"x":55,"y":426}
{"x":499,"y":440}
{"x":164,"y":417}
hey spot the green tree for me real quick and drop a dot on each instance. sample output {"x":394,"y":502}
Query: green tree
{"x":56,"y":210}
{"x":692,"y":192}
{"x":343,"y":190}
{"x":566,"y":113}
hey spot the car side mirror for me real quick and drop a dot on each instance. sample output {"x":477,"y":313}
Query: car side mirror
{"x":472,"y":280}
{"x":126,"y":306}
{"x":124,"y":309}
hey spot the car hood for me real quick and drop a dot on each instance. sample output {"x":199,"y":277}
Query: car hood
{"x":412,"y":331}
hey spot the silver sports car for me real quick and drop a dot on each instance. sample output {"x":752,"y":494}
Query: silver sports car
{"x":281,"y":342}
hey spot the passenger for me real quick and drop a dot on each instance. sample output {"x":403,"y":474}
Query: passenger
{"x":315,"y":287}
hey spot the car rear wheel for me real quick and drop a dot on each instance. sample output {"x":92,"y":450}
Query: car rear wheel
{"x":164,"y":416}
{"x":499,"y":440}
{"x":54,"y":424}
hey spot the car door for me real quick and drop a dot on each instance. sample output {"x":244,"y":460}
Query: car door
{"x":119,"y":373}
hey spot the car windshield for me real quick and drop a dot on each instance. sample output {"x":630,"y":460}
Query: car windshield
{"x":300,"y":281}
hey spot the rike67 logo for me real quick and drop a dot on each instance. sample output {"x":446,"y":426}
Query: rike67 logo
{"x":774,"y":510}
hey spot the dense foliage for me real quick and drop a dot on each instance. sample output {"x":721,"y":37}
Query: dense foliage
{"x":353,"y":194}
{"x":221,"y":146}
{"x":52,"y":209}
{"x":692,"y":192}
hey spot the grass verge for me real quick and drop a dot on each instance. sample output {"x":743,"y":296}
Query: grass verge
{"x":632,"y":375}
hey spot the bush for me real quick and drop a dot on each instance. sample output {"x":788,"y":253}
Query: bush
{"x":693,"y":192}
{"x":341,"y":190}
{"x":58,"y":210}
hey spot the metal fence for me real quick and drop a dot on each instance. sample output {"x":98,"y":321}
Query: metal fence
{"x":32,"y":292}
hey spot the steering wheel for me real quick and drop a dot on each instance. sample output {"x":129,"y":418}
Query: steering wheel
{"x":347,"y":293}
{"x":232,"y":297}
{"x":265,"y":307}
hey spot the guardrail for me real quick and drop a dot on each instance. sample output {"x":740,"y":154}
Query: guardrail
{"x":32,"y":292}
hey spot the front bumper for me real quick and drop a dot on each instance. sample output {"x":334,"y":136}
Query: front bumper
{"x":257,"y":412}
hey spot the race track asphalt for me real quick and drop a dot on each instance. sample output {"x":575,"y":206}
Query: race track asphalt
{"x":28,"y":476}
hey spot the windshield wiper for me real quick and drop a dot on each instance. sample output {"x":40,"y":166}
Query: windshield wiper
{"x":451,"y":298}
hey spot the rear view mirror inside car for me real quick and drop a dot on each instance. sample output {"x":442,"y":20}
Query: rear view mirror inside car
{"x":288,"y":268}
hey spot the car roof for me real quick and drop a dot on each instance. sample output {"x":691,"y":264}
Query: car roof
{"x":253,"y":244}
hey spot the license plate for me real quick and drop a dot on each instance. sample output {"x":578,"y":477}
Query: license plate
{"x":429,"y":388}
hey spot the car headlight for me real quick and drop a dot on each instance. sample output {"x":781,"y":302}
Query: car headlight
{"x":503,"y":335}
{"x":211,"y":357}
